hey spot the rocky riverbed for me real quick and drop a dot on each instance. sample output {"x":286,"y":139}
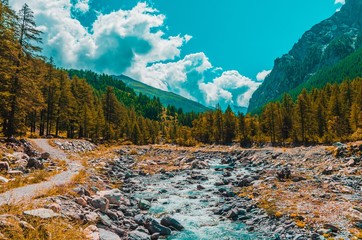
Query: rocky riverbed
{"x":166,"y":192}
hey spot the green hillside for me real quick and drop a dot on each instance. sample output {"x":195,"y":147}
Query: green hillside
{"x":348,"y":68}
{"x":167,"y":98}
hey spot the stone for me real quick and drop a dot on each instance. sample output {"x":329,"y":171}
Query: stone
{"x":34,"y":163}
{"x":81,"y":201}
{"x":15,"y":172}
{"x":233,"y":213}
{"x":92,"y":232}
{"x":3,"y":180}
{"x":171,"y":223}
{"x":155,"y":236}
{"x":137,"y":235}
{"x":42,"y":213}
{"x":323,"y":231}
{"x":298,"y":179}
{"x":200,"y":187}
{"x":154,"y":227}
{"x":45,"y":155}
{"x":140,"y":219}
{"x":333,"y":228}
{"x":144,"y":204}
{"x":114,"y":196}
{"x":92,"y":217}
{"x":101,"y":203}
{"x":285,"y":173}
{"x":4,"y":166}
{"x":107,"y":235}
{"x":55,"y":207}
{"x":105,"y":219}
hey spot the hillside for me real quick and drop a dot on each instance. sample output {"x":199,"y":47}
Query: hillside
{"x":319,"y":49}
{"x":166,"y":98}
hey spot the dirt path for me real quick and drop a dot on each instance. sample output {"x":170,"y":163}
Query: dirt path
{"x":31,"y":191}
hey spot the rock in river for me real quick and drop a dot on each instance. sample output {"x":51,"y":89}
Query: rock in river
{"x":171,"y":223}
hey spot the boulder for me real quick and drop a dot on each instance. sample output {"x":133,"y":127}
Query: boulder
{"x":285,"y":173}
{"x":45,"y":155}
{"x":4,"y":166}
{"x":154,"y":227}
{"x":144,"y":204}
{"x":333,"y":228}
{"x":171,"y":223}
{"x":137,"y":235}
{"x":92,"y":232}
{"x":55,"y":207}
{"x":81,"y":201}
{"x":107,"y":235}
{"x":34,"y":163}
{"x":140,"y":219}
{"x":101,"y":203}
{"x":42,"y":213}
{"x":114,"y":196}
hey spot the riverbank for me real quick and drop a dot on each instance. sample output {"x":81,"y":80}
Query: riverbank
{"x":213,"y":192}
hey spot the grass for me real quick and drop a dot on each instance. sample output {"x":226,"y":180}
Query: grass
{"x":42,"y":229}
{"x":14,"y":225}
{"x":35,"y":177}
{"x":65,"y":189}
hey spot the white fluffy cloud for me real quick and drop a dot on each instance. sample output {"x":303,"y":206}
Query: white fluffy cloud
{"x":262,"y":75}
{"x":134,"y":42}
{"x":82,"y":6}
{"x":230,"y":88}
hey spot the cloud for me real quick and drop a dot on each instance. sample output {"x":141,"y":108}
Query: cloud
{"x":134,"y":42}
{"x":230,"y":88}
{"x":115,"y":42}
{"x":82,"y":6}
{"x":262,"y":75}
{"x":180,"y":77}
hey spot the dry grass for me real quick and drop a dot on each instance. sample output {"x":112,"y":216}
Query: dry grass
{"x":34,"y":177}
{"x":65,"y":189}
{"x":42,"y":229}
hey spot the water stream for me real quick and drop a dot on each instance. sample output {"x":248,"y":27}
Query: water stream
{"x":179,"y":197}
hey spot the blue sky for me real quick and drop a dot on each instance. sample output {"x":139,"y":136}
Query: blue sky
{"x":207,"y":50}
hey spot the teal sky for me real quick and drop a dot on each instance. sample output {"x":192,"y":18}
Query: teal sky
{"x":209,"y":51}
{"x":236,"y":34}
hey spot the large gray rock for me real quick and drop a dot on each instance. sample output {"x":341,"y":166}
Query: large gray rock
{"x":114,"y":196}
{"x":34,"y":163}
{"x":101,"y":203}
{"x":92,"y":232}
{"x":137,"y":235}
{"x":144,"y":204}
{"x":171,"y":223}
{"x":42,"y":213}
{"x":45,"y":155}
{"x":107,"y":235}
{"x":154,"y":227}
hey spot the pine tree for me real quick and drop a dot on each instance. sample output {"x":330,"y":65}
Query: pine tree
{"x":229,"y":126}
{"x":28,"y":37}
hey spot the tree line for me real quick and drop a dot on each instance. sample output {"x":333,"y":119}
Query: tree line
{"x":37,"y":98}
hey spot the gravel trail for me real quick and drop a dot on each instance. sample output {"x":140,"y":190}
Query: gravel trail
{"x":30,"y":191}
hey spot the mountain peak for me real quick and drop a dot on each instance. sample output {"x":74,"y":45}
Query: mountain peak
{"x":325,"y":44}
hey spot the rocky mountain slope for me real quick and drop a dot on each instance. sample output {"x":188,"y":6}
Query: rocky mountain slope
{"x":323,"y":46}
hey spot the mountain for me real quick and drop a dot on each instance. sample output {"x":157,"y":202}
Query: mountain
{"x":166,"y":98}
{"x":320,"y":50}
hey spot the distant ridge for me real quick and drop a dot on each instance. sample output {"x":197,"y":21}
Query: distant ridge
{"x":321,"y":56}
{"x":166,"y":98}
